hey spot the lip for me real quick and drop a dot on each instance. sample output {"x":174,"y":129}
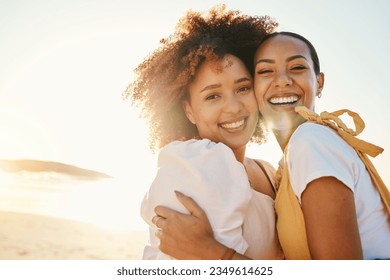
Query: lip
{"x":234,"y":124}
{"x":284,"y":100}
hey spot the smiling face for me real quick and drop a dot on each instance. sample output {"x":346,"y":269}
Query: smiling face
{"x":284,"y":79}
{"x":222,"y":104}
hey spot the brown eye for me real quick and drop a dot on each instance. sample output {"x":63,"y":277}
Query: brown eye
{"x":212,"y":96}
{"x":264,"y":71}
{"x":298,"y":67}
{"x":243,"y":89}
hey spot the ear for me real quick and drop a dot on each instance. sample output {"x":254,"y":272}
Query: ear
{"x":320,"y":83}
{"x":188,"y":111}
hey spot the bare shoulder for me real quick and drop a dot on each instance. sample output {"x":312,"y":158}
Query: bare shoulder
{"x":261,"y":176}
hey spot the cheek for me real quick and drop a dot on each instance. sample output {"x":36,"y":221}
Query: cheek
{"x":252,"y":107}
{"x":205,"y":118}
{"x":251,"y":102}
{"x":310,"y":96}
{"x":259,"y":91}
{"x":259,"y":99}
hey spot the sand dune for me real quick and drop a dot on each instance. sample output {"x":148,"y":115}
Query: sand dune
{"x":50,"y":166}
{"x":34,"y":237}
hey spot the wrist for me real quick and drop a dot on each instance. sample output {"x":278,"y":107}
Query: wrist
{"x":213,"y":250}
{"x":228,"y":254}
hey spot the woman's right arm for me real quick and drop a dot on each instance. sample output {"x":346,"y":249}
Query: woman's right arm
{"x":330,"y":217}
{"x":188,"y":236}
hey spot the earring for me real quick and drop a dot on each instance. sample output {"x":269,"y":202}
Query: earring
{"x":319,"y":94}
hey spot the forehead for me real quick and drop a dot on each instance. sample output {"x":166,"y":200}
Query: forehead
{"x":282,"y":45}
{"x":228,"y":65}
{"x":219,"y":65}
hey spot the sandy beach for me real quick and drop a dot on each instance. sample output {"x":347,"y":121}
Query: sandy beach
{"x":34,"y":237}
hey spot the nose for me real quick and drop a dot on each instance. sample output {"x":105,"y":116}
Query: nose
{"x":282,"y":79}
{"x":232,"y":104}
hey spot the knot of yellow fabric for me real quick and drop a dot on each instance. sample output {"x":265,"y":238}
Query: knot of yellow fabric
{"x":362,"y":148}
{"x":332,"y":120}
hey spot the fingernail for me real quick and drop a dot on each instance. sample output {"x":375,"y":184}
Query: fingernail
{"x":158,"y":233}
{"x":179,"y":194}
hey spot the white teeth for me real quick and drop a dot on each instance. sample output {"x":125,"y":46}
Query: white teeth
{"x":233,"y":125}
{"x":283,"y":100}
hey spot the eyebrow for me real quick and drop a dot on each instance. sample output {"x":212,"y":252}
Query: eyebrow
{"x":213,"y":86}
{"x":265,"y":60}
{"x":243,"y":79}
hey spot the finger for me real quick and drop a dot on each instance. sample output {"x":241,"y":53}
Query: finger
{"x":155,"y":220}
{"x":190,"y":204}
{"x":165,"y":212}
{"x":158,"y":233}
{"x":159,"y":221}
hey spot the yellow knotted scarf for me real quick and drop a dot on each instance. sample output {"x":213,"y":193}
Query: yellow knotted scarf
{"x":291,"y":223}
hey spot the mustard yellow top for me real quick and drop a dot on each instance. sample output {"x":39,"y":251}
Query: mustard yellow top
{"x":290,"y":220}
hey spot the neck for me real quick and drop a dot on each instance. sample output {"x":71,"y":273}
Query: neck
{"x":240,"y":154}
{"x":282,"y":136}
{"x":284,"y":128}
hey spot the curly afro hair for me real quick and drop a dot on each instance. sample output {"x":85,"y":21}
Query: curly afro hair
{"x":162,"y":78}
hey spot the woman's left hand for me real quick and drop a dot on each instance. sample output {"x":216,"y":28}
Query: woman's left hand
{"x":186,"y":236}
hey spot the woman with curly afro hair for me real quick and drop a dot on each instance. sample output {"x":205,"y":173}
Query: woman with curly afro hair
{"x":196,"y":92}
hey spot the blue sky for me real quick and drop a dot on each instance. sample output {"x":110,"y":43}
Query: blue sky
{"x":64,"y":65}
